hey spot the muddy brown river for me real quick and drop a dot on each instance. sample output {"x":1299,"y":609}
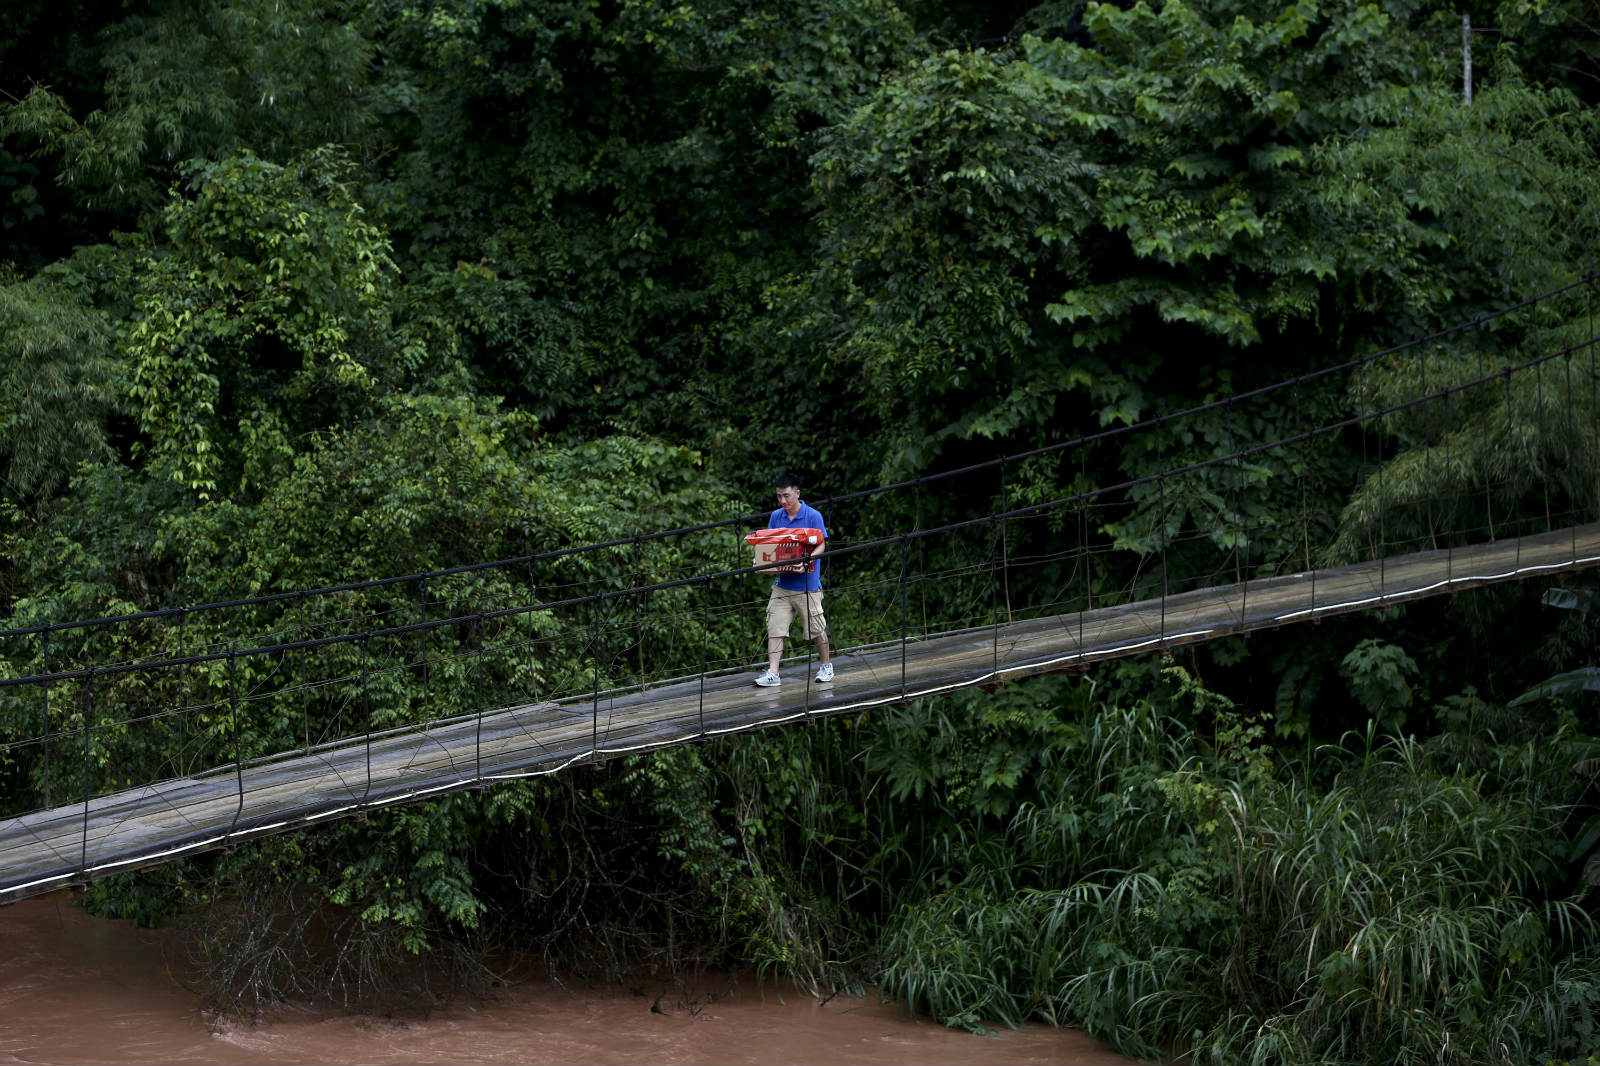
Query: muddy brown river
{"x":79,"y":989}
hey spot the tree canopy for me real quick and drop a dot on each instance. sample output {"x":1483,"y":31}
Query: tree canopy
{"x":312,"y":292}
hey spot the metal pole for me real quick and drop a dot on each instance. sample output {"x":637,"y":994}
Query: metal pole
{"x":422,"y":609}
{"x":1594,"y":392}
{"x":1161,"y":529}
{"x":1381,"y":482}
{"x":1571,"y":437}
{"x":533,"y":599}
{"x":994,"y":608}
{"x":1083,"y":543}
{"x":810,"y":646}
{"x":88,"y":709}
{"x":1238,"y":511}
{"x":922,"y":563}
{"x":594,"y":651}
{"x":238,"y":752}
{"x":478,"y":738}
{"x":1543,"y":447}
{"x":1005,"y":548}
{"x":1161,"y":536}
{"x":1516,"y":521}
{"x":1594,"y":396}
{"x":905,"y":565}
{"x":1455,"y":509}
{"x":305,"y":706}
{"x":638,"y":607}
{"x":44,"y":640}
{"x":1305,"y":513}
{"x":366,"y":703}
{"x":1427,"y":455}
{"x":705,"y":637}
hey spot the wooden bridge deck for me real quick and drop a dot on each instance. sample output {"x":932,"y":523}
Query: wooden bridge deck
{"x":145,"y":826}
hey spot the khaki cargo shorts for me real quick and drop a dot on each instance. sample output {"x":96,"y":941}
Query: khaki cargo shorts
{"x":784,"y":604}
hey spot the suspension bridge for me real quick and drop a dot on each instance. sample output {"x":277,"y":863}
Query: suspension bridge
{"x":1462,"y":459}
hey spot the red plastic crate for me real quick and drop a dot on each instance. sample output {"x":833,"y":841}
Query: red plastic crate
{"x":781,"y":545}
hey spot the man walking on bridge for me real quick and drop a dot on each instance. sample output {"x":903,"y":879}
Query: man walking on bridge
{"x":796,"y":594}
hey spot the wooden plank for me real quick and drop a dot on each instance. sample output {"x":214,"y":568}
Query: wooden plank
{"x":154,"y":823}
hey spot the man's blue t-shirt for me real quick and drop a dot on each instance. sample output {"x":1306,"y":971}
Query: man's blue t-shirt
{"x":805,"y":518}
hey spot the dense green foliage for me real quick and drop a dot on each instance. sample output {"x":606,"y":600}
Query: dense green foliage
{"x":303,"y":293}
{"x":1168,"y":882}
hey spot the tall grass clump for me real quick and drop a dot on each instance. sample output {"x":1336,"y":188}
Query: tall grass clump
{"x":1174,"y":890}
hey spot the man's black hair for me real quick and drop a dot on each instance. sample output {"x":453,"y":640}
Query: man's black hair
{"x":786,"y":480}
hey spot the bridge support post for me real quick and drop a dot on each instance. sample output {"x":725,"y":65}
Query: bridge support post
{"x":238,"y":749}
{"x":705,"y":636}
{"x":88,"y":711}
{"x":44,"y":736}
{"x":477,"y":744}
{"x":905,"y":566}
{"x":594,"y":711}
{"x":422,"y":611}
{"x":1005,"y":547}
{"x":366,"y":706}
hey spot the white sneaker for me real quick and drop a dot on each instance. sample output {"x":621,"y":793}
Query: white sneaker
{"x":825,"y":674}
{"x":768,"y":679}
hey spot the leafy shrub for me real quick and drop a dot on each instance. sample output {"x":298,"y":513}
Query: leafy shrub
{"x":1173,"y":891}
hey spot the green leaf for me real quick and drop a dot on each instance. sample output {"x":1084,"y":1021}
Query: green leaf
{"x":1584,"y":679}
{"x":1568,"y":600}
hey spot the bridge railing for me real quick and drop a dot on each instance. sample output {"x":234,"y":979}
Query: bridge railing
{"x":1486,"y":431}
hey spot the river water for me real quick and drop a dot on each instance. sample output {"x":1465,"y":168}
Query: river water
{"x":80,"y":989}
